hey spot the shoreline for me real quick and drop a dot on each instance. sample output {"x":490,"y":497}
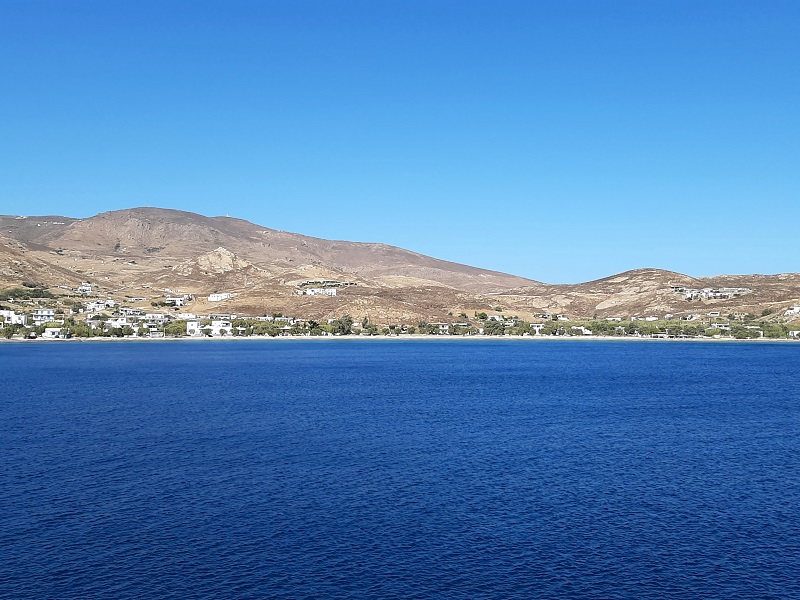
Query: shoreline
{"x":400,"y":338}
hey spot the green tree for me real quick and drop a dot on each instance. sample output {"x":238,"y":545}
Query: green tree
{"x":343,"y":325}
{"x":176,"y":329}
{"x":494,"y":328}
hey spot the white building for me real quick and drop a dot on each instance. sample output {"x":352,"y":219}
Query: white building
{"x":194,"y":328}
{"x":44,"y":315}
{"x":12,"y":318}
{"x":443,"y":328}
{"x":178,"y":300}
{"x":316,"y":292}
{"x":219,"y":328}
{"x":119,"y":323}
{"x":581,"y":330}
{"x":219,"y":297}
{"x":99,"y":305}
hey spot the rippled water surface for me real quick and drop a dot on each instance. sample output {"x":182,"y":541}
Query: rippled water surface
{"x":399,"y":469}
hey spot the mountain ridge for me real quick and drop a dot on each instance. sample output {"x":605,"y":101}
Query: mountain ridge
{"x":146,"y":249}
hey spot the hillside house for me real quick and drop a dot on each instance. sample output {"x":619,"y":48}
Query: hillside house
{"x":219,"y":297}
{"x":316,"y":292}
{"x":99,"y":305}
{"x":176,"y":301}
{"x":119,"y":323}
{"x":43,"y":315}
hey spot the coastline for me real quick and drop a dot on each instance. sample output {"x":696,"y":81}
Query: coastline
{"x":400,"y":338}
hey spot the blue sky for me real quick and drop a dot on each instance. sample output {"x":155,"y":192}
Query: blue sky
{"x":562,"y":141}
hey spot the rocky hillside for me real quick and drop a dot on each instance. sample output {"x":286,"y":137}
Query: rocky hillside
{"x":144,"y":234}
{"x":150,"y":252}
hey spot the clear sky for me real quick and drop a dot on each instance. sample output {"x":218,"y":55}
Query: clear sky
{"x":562,"y":141}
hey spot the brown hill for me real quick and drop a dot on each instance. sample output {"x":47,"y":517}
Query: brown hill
{"x":170,"y":235}
{"x":151,"y":252}
{"x":652,"y":292}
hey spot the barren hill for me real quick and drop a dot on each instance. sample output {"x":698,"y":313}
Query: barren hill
{"x":151,"y":252}
{"x":143,"y":234}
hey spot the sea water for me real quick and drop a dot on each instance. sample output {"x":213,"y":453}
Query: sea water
{"x":399,"y":469}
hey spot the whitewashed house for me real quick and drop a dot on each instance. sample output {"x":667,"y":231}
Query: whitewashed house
{"x":219,"y":297}
{"x":53,"y":333}
{"x":43,"y":315}
{"x":99,"y":305}
{"x":220,"y":328}
{"x":316,"y":292}
{"x":119,"y":323}
{"x":159,"y":319}
{"x":178,"y":301}
{"x":442,"y":328}
{"x":194,"y":328}
{"x":582,"y":330}
{"x":12,"y":318}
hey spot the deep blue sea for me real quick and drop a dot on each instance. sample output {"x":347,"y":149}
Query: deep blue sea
{"x":399,"y":469}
